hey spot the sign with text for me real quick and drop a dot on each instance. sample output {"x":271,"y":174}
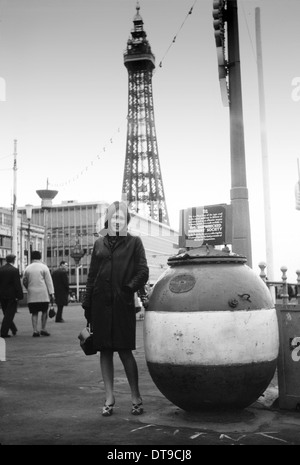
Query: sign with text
{"x":210,"y":224}
{"x":288,"y":362}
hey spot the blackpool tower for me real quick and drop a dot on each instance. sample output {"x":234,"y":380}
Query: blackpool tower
{"x":142,"y":180}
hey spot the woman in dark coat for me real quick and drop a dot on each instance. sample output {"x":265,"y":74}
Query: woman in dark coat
{"x":118,"y":269}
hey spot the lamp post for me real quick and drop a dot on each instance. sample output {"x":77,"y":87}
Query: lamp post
{"x":229,"y":38}
{"x":28,"y":216}
{"x":77,"y":253}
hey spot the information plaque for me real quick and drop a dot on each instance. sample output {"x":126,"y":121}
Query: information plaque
{"x":210,"y":224}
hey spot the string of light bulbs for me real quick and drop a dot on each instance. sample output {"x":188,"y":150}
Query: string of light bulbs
{"x":106,"y":147}
{"x":177,"y":33}
{"x":84,"y":171}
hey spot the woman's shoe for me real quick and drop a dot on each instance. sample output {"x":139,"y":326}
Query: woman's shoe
{"x":36,"y":334}
{"x":44,"y":333}
{"x":107,"y":410}
{"x":137,"y":409}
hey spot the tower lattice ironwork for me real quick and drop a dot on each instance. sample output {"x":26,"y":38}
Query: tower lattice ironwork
{"x":142,"y":181}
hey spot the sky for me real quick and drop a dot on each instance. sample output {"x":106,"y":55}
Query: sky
{"x":64,"y":97}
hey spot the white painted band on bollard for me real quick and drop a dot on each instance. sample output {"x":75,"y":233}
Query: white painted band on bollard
{"x":211,"y":338}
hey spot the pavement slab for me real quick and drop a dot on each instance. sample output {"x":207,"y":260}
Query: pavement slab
{"x":51,"y":393}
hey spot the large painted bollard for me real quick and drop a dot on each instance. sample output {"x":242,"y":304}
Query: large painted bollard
{"x":210,"y":332}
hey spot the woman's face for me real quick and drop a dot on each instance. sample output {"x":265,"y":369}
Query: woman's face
{"x":117,"y":221}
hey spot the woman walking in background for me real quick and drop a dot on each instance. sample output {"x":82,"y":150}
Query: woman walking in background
{"x":118,"y":269}
{"x":40,"y":291}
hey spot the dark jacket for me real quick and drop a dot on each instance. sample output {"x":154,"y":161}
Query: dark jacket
{"x":10,"y":283}
{"x":60,"y":280}
{"x":114,"y":276}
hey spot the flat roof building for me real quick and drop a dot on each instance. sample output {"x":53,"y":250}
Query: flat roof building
{"x":29,"y":236}
{"x":74,"y":223}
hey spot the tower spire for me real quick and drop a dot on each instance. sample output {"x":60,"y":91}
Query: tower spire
{"x":142,"y":180}
{"x":137,"y":7}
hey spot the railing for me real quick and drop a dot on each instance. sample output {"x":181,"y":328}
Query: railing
{"x":284,"y":296}
{"x":289,"y":340}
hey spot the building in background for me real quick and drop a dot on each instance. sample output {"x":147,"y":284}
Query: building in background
{"x":77,"y":224}
{"x":72,"y":227}
{"x":28,"y":235}
{"x":5,"y":234}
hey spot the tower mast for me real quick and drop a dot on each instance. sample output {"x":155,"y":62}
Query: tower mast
{"x":142,"y":180}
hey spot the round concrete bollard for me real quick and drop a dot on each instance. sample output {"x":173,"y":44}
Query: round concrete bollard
{"x":210,"y":332}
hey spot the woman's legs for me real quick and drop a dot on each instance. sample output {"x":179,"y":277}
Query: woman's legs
{"x":34,"y":318}
{"x":107,"y":369}
{"x":44,"y":320}
{"x":131,"y":371}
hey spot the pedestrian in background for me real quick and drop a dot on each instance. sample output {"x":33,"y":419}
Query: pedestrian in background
{"x":118,"y":269}
{"x":137,"y":303}
{"x":10,"y":292}
{"x":40,"y":291}
{"x":60,"y":280}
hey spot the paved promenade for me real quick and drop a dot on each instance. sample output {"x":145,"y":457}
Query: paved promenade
{"x":52,"y":394}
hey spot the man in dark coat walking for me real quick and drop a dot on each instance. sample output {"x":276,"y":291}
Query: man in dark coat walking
{"x":60,"y":280}
{"x":10,"y":292}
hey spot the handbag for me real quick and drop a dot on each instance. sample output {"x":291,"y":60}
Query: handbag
{"x":52,"y":312}
{"x":86,"y":341}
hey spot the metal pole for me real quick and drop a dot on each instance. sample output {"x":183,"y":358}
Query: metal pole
{"x":264,"y":149}
{"x":241,"y":242}
{"x":29,"y":251}
{"x":77,"y":283}
{"x":28,"y":216}
{"x":21,"y":251}
{"x":45,"y":234}
{"x":15,"y":211}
